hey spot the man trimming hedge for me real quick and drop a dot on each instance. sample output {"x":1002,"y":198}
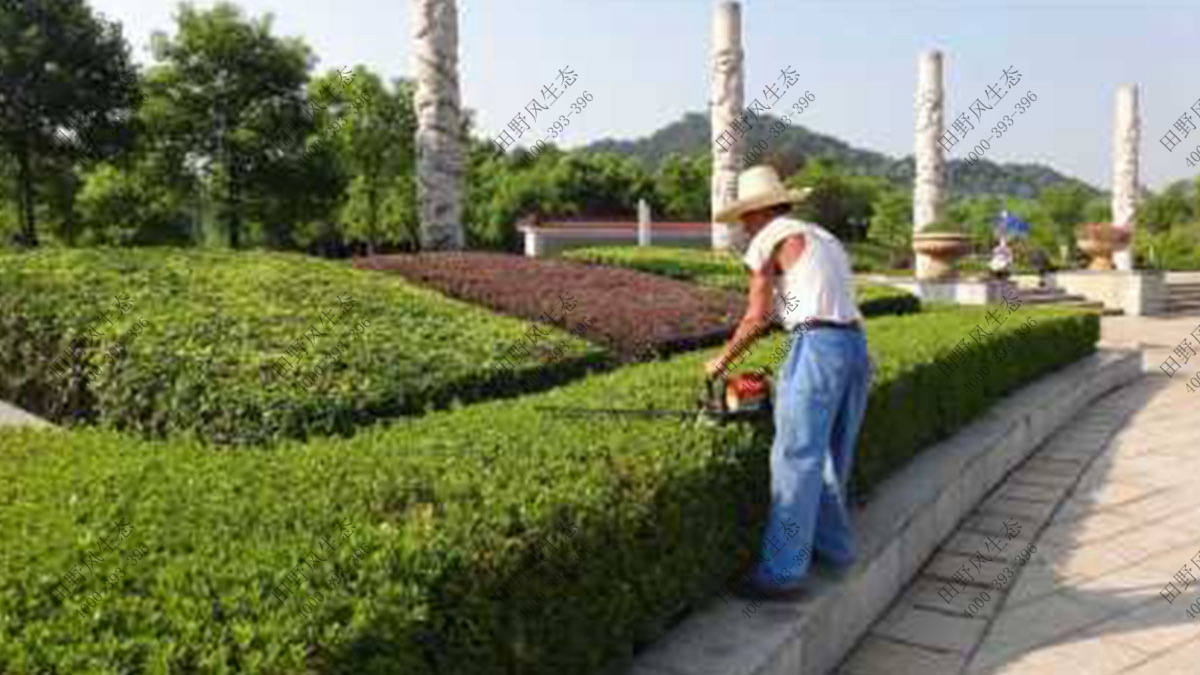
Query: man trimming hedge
{"x":821,"y":388}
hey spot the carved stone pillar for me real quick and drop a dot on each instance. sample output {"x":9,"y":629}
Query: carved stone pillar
{"x":929,"y":181}
{"x":439,"y":140}
{"x":726,"y":104}
{"x":1126,"y":137}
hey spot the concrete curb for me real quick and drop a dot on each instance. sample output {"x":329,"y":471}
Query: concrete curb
{"x":908,"y":516}
{"x":12,"y":416}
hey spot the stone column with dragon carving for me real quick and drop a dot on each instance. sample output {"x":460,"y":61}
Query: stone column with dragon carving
{"x":929,"y":181}
{"x":725,"y":105}
{"x":1126,"y":137}
{"x":439,"y":139}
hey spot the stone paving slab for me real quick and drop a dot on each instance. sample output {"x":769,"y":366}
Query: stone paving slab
{"x":1101,"y":657}
{"x":876,"y":655}
{"x":1039,"y":493}
{"x":1021,"y":510}
{"x":1029,"y":476}
{"x":1179,"y":659}
{"x":925,"y":628}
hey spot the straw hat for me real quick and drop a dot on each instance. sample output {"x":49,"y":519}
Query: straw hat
{"x":759,"y":187}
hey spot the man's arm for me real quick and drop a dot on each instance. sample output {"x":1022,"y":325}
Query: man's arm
{"x":759,"y":315}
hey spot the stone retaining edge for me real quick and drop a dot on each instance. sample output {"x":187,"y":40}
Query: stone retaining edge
{"x":908,"y":516}
{"x":12,"y":416}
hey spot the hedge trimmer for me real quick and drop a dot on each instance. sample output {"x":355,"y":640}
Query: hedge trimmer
{"x":744,"y":397}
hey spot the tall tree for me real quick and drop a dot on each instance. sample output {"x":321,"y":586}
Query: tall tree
{"x":891,"y":223}
{"x":1065,"y":204}
{"x":379,"y":158}
{"x":1171,"y":207}
{"x":230,"y":96}
{"x":681,"y":187}
{"x":598,"y":185}
{"x":839,"y":202}
{"x":64,"y":73}
{"x":976,"y":217}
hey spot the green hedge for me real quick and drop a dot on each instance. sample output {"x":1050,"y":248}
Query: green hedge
{"x":451,"y":505}
{"x":216,"y":324}
{"x":913,"y":403}
{"x":724,"y":270}
{"x":878,"y":300}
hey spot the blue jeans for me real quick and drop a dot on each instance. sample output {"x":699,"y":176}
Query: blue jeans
{"x":820,"y":399}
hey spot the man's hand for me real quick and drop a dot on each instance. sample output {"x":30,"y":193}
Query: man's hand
{"x":715,"y":366}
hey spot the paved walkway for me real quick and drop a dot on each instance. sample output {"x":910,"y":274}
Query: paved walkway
{"x":1112,"y":504}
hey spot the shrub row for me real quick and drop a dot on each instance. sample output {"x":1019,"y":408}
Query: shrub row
{"x":215,"y":359}
{"x":635,"y":313}
{"x":724,"y":270}
{"x":451,"y":505}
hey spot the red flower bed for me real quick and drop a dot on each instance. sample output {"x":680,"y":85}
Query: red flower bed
{"x":634,"y":314}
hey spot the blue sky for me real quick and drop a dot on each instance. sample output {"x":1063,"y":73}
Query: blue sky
{"x":645,"y":62}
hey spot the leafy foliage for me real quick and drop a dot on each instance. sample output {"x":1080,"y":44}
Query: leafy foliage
{"x":681,"y":188}
{"x":81,"y":83}
{"x":839,"y":202}
{"x":891,"y":226}
{"x":218,"y":325}
{"x":376,"y":151}
{"x":227,"y":94}
{"x":1174,"y":249}
{"x":451,"y":505}
{"x":723,"y":270}
{"x":127,"y":208}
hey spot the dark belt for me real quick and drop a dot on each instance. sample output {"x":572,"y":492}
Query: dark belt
{"x":820,"y":323}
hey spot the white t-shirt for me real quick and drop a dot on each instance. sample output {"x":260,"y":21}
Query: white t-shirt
{"x":819,"y":285}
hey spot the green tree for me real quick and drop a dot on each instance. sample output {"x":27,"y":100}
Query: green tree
{"x":598,"y":185}
{"x":122,"y":207}
{"x":976,"y":217}
{"x":1171,"y":207}
{"x":60,"y":189}
{"x":82,"y":84}
{"x":380,"y":159}
{"x":891,"y":223}
{"x":229,"y":96}
{"x":1195,"y":200}
{"x":1098,"y":210}
{"x":502,"y":188}
{"x":839,"y":202}
{"x":1065,"y":205}
{"x":681,"y":188}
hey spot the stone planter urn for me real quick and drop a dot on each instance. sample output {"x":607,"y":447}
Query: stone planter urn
{"x":942,"y":249}
{"x":1098,"y":241}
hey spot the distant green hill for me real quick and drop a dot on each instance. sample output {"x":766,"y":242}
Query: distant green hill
{"x":690,"y":136}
